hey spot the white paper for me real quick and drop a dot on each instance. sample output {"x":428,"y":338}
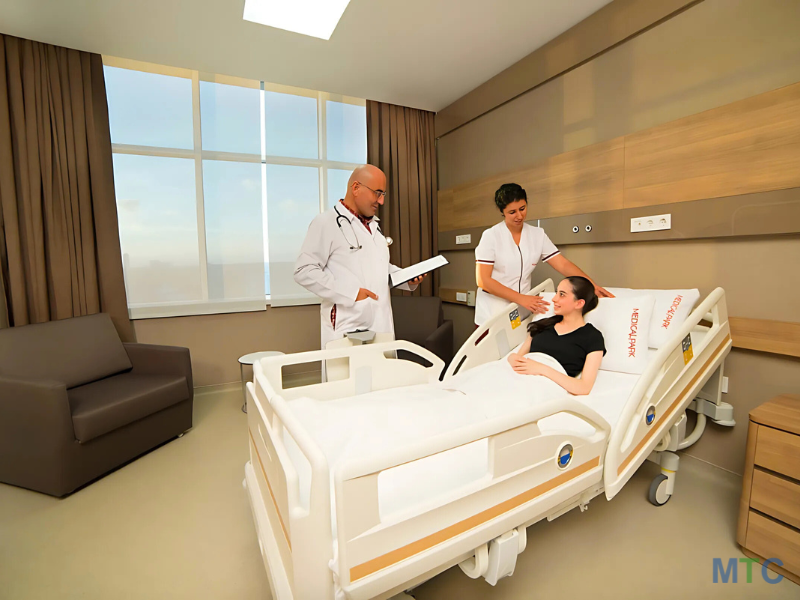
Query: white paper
{"x":409,"y":273}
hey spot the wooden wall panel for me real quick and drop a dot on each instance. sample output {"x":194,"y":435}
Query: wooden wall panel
{"x":609,"y":26}
{"x":776,"y":337}
{"x":749,"y":146}
{"x":745,"y":147}
{"x":585,"y":180}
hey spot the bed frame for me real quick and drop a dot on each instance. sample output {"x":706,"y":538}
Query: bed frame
{"x":533,"y":474}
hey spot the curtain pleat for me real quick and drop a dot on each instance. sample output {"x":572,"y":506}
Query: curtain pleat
{"x":59,"y":245}
{"x":401,"y":142}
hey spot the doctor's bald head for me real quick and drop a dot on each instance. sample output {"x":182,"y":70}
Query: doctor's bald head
{"x":366,"y":190}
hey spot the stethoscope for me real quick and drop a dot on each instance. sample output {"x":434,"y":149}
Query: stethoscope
{"x":357,"y":246}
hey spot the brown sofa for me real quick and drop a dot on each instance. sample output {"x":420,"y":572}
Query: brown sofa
{"x":419,"y":319}
{"x":76,"y":403}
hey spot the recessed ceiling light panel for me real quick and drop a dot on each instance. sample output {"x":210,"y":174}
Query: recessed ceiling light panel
{"x":317,"y":18}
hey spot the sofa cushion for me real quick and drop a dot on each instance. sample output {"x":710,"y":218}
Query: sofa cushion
{"x":105,"y":405}
{"x":416,"y":317}
{"x":71,"y":351}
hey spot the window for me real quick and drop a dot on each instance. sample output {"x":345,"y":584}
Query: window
{"x":217,"y":179}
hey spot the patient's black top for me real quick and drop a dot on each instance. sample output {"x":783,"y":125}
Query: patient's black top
{"x":570,"y":349}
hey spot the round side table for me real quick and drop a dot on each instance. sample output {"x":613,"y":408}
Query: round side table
{"x":250,"y":359}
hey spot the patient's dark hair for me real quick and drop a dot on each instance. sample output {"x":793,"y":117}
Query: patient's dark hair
{"x":508,"y":193}
{"x":583,"y":289}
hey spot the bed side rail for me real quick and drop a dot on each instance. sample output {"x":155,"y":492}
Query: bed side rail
{"x":305,"y":527}
{"x":371,"y":367}
{"x":523,"y":482}
{"x":668,"y":385}
{"x":495,"y":338}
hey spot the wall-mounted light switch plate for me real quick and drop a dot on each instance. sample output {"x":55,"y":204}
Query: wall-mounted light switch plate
{"x":464,"y":239}
{"x":461,"y":296}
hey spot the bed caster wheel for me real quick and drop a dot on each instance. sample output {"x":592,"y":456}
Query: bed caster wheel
{"x":657,"y":494}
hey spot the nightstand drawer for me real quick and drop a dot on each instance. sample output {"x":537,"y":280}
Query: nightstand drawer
{"x":776,"y":497}
{"x":778,"y":451}
{"x":769,"y":539}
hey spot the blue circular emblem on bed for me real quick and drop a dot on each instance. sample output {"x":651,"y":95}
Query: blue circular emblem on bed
{"x":650,"y":415}
{"x":564,"y":456}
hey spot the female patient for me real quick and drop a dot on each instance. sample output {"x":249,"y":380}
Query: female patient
{"x":575,"y":344}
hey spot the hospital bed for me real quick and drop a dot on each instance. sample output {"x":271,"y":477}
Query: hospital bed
{"x":374,"y":523}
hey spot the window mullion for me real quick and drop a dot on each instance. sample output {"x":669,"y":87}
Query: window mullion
{"x":264,"y":210}
{"x":323,"y":152}
{"x":198,"y":182}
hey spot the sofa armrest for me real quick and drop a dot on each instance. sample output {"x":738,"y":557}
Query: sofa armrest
{"x":161,"y":360}
{"x":440,"y":342}
{"x":33,"y":413}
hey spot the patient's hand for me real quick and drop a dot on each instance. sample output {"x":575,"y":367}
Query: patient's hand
{"x":526,"y":366}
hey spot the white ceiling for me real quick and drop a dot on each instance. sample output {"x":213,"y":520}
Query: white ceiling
{"x":420,"y":53}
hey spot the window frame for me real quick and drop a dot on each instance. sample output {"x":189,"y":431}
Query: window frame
{"x":205,"y":306}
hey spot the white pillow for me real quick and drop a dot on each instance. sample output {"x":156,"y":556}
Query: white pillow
{"x":671,"y":309}
{"x":625,"y":325}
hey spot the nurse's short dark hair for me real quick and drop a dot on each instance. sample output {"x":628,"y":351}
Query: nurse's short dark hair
{"x":508,"y":193}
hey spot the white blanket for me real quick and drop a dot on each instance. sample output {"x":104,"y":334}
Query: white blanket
{"x":375,"y":422}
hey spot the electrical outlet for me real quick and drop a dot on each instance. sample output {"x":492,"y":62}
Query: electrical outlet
{"x":464,"y":239}
{"x":724,"y":385}
{"x":461,"y":296}
{"x":470,"y":298}
{"x":651,"y":223}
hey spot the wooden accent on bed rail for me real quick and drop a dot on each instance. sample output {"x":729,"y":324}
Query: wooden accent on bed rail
{"x":681,"y":397}
{"x":414,"y":548}
{"x":740,"y":148}
{"x":271,"y":493}
{"x":776,"y":337}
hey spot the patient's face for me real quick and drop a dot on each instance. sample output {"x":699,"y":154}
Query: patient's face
{"x":564,"y":301}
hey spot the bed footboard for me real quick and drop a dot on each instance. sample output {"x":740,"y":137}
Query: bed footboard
{"x":294,"y":530}
{"x":497,"y":337}
{"x":670,"y":382}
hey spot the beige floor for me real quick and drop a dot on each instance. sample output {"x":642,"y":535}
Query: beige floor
{"x":175,"y":524}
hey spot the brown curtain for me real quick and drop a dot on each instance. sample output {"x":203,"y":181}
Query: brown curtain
{"x":401,"y":141}
{"x":3,"y":307}
{"x":59,"y":241}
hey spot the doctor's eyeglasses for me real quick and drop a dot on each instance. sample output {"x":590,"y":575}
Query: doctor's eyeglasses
{"x":378,"y":193}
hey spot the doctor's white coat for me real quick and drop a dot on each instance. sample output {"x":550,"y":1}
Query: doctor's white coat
{"x":331,"y":266}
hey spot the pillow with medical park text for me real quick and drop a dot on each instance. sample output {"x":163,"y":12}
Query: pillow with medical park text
{"x":671,"y":309}
{"x":625,"y":325}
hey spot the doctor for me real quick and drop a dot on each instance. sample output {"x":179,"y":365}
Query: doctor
{"x":345,"y":261}
{"x":507,"y":255}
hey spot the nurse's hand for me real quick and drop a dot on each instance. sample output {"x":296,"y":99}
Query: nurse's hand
{"x":535,"y":304}
{"x":418,"y":280}
{"x":602,"y":292}
{"x":364,"y":293}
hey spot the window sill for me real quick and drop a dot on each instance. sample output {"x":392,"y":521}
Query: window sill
{"x":188,"y":309}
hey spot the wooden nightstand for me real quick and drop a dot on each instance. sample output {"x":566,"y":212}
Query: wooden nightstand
{"x":769,"y":512}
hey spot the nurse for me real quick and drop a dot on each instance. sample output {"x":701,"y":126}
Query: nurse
{"x":507,"y":255}
{"x":345,"y":261}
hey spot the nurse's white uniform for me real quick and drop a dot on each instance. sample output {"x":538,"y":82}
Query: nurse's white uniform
{"x":331,"y":266}
{"x":512,"y":265}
